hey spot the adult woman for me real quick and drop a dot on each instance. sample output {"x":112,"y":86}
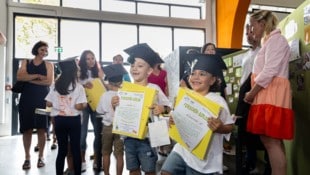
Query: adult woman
{"x":90,"y":69}
{"x":38,"y":75}
{"x":270,"y":114}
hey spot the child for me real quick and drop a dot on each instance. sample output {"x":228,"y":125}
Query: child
{"x":203,"y":80}
{"x":67,"y":99}
{"x":139,"y":153}
{"x":114,"y":74}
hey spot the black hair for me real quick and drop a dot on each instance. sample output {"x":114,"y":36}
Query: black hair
{"x":65,"y":79}
{"x":36,"y":47}
{"x":204,"y":47}
{"x":216,"y":87}
{"x":83,"y":66}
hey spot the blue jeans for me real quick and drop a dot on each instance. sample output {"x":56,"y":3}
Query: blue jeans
{"x":174,"y":164}
{"x":140,"y":153}
{"x":84,"y":128}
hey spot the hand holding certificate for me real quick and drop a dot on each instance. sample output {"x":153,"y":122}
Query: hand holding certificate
{"x":93,"y":94}
{"x":190,"y":117}
{"x":132,"y":114}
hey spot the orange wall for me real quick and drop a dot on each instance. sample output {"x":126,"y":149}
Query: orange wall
{"x":230,"y":18}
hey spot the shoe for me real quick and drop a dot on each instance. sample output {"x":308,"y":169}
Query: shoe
{"x":254,"y":171}
{"x":36,"y":148}
{"x":83,"y":167}
{"x":68,"y":172}
{"x":40,"y":163}
{"x":225,"y":168}
{"x":54,"y":146}
{"x":92,"y":157}
{"x":26,"y":165}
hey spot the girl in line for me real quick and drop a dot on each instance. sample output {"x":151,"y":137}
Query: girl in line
{"x":67,"y":99}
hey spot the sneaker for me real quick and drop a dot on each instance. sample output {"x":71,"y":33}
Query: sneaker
{"x":254,"y":171}
{"x":225,"y":168}
{"x":36,"y":148}
{"x":83,"y":167}
{"x":68,"y":172}
{"x":54,"y":146}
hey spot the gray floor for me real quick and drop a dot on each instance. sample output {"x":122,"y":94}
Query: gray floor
{"x":12,"y":158}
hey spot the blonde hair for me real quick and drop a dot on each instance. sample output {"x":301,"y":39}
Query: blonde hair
{"x":271,"y":21}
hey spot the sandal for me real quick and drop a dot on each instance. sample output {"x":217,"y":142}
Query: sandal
{"x":26,"y":165}
{"x":36,"y":148}
{"x":40,"y":163}
{"x":54,"y":146}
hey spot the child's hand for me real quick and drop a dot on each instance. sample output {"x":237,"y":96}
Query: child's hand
{"x":115,"y":101}
{"x":214,"y":123}
{"x":88,"y":85}
{"x":157,"y":109}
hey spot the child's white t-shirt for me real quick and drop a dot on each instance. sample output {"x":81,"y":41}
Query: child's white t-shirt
{"x":64,"y":104}
{"x":105,"y":108}
{"x":214,"y":160}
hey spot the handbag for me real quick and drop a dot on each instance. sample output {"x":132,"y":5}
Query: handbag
{"x":18,"y":87}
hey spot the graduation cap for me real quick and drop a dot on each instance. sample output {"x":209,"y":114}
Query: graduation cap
{"x":68,"y":64}
{"x":145,"y":52}
{"x":208,"y":63}
{"x":114,"y":72}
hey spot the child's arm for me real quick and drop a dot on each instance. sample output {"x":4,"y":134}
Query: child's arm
{"x":115,"y":101}
{"x":80,"y":106}
{"x":216,"y":125}
{"x":160,"y":109}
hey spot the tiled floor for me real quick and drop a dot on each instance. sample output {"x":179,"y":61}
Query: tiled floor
{"x":12,"y":158}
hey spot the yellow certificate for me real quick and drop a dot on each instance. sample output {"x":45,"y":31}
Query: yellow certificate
{"x":190,"y":116}
{"x":132,"y":114}
{"x":93,"y":95}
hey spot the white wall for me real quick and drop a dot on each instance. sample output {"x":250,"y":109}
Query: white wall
{"x":5,"y":96}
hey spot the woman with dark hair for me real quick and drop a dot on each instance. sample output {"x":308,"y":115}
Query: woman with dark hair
{"x":90,"y":69}
{"x":38,"y":75}
{"x":66,"y":99}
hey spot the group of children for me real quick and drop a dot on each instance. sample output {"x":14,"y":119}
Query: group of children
{"x":67,"y":99}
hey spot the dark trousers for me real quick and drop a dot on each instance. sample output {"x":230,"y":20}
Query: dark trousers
{"x":98,"y":144}
{"x":68,"y":128}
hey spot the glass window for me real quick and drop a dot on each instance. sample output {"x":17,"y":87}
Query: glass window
{"x":77,"y":36}
{"x":188,"y":37}
{"x":152,"y":36}
{"x":185,"y":12}
{"x":43,"y":2}
{"x":85,"y":4}
{"x":118,"y":6}
{"x":30,"y":30}
{"x":153,"y":9}
{"x":116,"y":38}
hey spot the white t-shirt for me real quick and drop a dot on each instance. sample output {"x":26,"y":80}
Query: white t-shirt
{"x":214,"y":157}
{"x":88,"y":79}
{"x":64,"y":104}
{"x":247,"y":64}
{"x":105,"y":107}
{"x":162,"y":99}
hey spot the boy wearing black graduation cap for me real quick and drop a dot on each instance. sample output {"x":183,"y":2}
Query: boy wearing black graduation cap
{"x":139,"y":153}
{"x":204,"y":81}
{"x":67,"y":99}
{"x":114,"y":74}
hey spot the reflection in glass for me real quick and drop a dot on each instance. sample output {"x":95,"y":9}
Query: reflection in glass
{"x":29,"y":30}
{"x":77,"y":36}
{"x":152,"y":35}
{"x":116,"y":38}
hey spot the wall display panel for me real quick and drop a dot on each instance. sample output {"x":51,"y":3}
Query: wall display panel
{"x":77,"y":36}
